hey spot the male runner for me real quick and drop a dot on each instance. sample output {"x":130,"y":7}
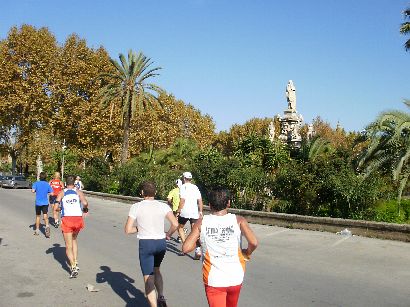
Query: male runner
{"x":42,"y":189}
{"x":149,"y":215}
{"x":223,"y":265}
{"x":73,"y":206}
{"x":190,"y":208}
{"x":57,"y":185}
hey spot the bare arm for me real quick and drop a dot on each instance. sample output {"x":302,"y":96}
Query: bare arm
{"x":190,"y":242}
{"x":169,"y":201}
{"x":174,"y":224}
{"x":129,"y":227}
{"x":200,"y":206}
{"x":181,"y":204}
{"x":249,"y":235}
{"x":83,"y":199}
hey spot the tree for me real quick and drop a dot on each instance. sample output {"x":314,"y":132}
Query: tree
{"x":405,"y":27}
{"x":168,"y":121}
{"x":128,"y":87}
{"x":29,"y":68}
{"x":389,"y":149}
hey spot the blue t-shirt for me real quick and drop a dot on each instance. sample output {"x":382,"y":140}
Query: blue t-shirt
{"x":42,"y":189}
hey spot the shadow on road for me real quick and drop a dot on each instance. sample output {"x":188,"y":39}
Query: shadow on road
{"x":58,"y":252}
{"x":172,"y":247}
{"x":122,"y":286}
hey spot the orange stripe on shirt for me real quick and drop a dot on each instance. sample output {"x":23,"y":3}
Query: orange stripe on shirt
{"x":241,"y":259}
{"x":206,"y":268}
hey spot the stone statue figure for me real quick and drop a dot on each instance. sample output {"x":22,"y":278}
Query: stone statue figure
{"x":271,"y":131}
{"x":311,"y":132}
{"x":291,"y":96}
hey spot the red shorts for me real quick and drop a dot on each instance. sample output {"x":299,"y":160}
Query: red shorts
{"x":223,"y":296}
{"x":72,"y":224}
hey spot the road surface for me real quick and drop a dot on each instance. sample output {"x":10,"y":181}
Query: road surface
{"x":290,"y":268}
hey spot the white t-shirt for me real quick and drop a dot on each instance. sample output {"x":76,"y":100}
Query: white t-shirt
{"x":191,"y":194}
{"x":150,"y":217}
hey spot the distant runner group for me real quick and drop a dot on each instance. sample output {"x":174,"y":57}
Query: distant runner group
{"x":216,"y":238}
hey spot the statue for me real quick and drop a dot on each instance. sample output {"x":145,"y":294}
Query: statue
{"x":311,"y":132}
{"x":271,"y":131}
{"x":291,"y":96}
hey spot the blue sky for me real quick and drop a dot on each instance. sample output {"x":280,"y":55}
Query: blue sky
{"x":232,"y":59}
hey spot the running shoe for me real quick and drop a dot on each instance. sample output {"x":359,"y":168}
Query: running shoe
{"x":74,"y":272}
{"x":47,"y":231}
{"x":57,"y":224}
{"x":76,"y":266}
{"x":161,"y":301}
{"x":198,"y":253}
{"x":36,"y":233}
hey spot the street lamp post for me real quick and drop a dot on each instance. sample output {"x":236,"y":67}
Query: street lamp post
{"x":63,"y":148}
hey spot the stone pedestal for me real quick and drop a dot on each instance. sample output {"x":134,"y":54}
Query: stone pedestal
{"x":290,"y":125}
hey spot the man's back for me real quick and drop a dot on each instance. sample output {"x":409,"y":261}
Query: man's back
{"x":42,"y":188}
{"x":190,"y":193}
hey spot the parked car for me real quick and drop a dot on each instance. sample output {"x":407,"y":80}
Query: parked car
{"x":1,"y":179}
{"x":15,"y":182}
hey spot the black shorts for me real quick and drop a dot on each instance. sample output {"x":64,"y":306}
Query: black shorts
{"x":41,"y":209}
{"x":52,"y":199}
{"x":151,"y":254}
{"x":183,"y":220}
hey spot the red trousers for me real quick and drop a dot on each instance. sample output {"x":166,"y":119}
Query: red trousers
{"x":223,"y":296}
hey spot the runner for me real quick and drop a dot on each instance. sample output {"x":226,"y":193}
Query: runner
{"x":223,"y":262}
{"x":42,"y":189}
{"x":149,"y":216}
{"x":73,"y":206}
{"x":190,"y":209}
{"x":57,"y":185}
{"x":78,"y":183}
{"x":173,"y":200}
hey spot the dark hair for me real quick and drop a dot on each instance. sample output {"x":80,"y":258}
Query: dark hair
{"x":43,"y":176}
{"x":70,"y":179}
{"x":148,"y":188}
{"x":218,"y":199}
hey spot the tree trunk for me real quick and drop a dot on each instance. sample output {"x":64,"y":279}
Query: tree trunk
{"x":126,"y":138}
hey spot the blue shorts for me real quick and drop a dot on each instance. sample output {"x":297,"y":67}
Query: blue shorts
{"x":151,"y":253}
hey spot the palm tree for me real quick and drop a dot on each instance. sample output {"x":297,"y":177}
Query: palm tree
{"x":389,"y":148}
{"x":405,"y":27}
{"x":128,"y":86}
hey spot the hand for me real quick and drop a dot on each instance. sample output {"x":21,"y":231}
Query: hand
{"x":246,"y":257}
{"x":168,"y":237}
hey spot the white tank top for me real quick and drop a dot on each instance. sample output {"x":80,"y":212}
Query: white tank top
{"x":70,"y":204}
{"x":223,"y":262}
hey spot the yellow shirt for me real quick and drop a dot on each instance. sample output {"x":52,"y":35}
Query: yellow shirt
{"x":174,"y":197}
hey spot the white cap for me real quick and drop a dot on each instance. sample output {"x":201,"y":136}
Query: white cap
{"x":178,"y":182}
{"x":187,"y":175}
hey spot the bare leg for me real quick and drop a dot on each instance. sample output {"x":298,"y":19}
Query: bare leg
{"x":159,"y":283}
{"x":37,"y":227}
{"x":45,"y":218}
{"x":75,"y":247}
{"x":55,"y":213}
{"x":181,"y":232}
{"x":68,"y":238}
{"x":150,"y":290}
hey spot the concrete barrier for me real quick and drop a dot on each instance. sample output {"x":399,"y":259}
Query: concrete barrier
{"x":400,"y":232}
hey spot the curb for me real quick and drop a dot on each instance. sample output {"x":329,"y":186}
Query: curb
{"x":398,"y":232}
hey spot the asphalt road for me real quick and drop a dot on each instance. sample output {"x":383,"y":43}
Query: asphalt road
{"x":290,"y":268}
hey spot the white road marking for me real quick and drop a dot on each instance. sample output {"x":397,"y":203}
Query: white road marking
{"x":277,"y":232}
